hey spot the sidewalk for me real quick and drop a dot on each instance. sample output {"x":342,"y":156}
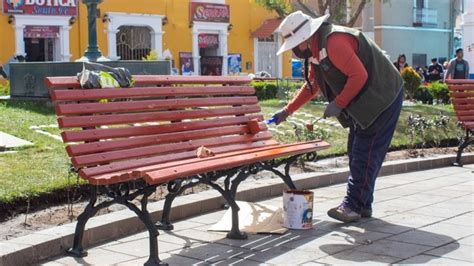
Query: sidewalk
{"x":419,"y":217}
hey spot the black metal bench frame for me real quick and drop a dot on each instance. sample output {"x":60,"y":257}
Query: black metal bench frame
{"x":124,"y":194}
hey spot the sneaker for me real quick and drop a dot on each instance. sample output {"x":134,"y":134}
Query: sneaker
{"x":344,"y":214}
{"x":366,"y":213}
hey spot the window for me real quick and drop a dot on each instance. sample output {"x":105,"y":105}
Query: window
{"x":133,"y":43}
{"x":419,"y":60}
{"x":420,"y":3}
{"x":270,"y":38}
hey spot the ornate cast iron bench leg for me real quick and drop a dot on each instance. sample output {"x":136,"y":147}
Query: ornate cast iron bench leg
{"x":468,"y":140}
{"x":233,"y":177}
{"x":121,"y":194}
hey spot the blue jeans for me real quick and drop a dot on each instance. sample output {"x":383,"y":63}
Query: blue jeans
{"x":367,"y":150}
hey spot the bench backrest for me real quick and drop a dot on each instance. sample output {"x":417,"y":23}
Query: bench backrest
{"x":161,"y":119}
{"x":462,"y":95}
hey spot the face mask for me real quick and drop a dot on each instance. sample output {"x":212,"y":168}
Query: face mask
{"x":302,"y":54}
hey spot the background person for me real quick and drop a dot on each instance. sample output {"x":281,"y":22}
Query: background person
{"x":458,"y":68}
{"x":401,"y":63}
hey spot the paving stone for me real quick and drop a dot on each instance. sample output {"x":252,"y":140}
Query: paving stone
{"x":393,"y":249}
{"x":454,"y":251}
{"x":239,"y":262}
{"x":437,"y":212}
{"x":140,"y":248}
{"x":321,"y":246}
{"x":465,"y":219}
{"x":451,"y":230}
{"x":204,"y":236}
{"x":209,"y":218}
{"x":421,"y":197}
{"x":279,"y":255}
{"x":96,"y":257}
{"x":432,"y":260}
{"x":9,"y":141}
{"x":467,"y":241}
{"x":418,"y":236}
{"x":210,"y":252}
{"x":353,"y":257}
{"x":165,"y":257}
{"x":410,"y":219}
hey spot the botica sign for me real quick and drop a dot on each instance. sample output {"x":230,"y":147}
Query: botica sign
{"x":207,"y":12}
{"x":41,"y":7}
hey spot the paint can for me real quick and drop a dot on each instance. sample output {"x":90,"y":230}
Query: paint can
{"x":298,"y":209}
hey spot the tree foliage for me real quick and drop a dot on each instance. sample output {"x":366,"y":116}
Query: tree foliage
{"x":337,"y":9}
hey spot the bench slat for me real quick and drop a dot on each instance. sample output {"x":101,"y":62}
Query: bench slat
{"x":462,"y":105}
{"x":141,"y":141}
{"x":462,"y":101}
{"x":459,"y":81}
{"x":462,"y":95}
{"x":107,"y":157}
{"x":117,"y":119}
{"x":466,"y":87}
{"x":144,"y":92}
{"x":190,"y":169}
{"x":111,"y":133}
{"x":118,"y":168}
{"x":150,"y":105}
{"x":466,"y":118}
{"x":140,"y":172}
{"x":143,"y":80}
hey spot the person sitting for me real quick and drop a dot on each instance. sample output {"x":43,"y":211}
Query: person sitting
{"x":435,"y":70}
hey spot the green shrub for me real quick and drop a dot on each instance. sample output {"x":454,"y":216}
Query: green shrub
{"x":412,"y":81}
{"x":423,"y":94}
{"x":439,"y":91}
{"x":271,"y":90}
{"x":5,"y":89}
{"x":265,"y":90}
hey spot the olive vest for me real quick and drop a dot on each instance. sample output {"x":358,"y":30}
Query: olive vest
{"x":381,"y":89}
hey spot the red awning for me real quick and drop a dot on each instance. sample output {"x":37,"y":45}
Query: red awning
{"x":267,"y":28}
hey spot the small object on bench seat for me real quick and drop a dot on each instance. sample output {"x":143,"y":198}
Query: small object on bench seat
{"x":162,"y":132}
{"x":254,"y":126}
{"x":203,"y":152}
{"x":462,"y":96}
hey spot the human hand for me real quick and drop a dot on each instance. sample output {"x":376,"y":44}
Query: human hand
{"x":280,"y":116}
{"x":332,"y":110}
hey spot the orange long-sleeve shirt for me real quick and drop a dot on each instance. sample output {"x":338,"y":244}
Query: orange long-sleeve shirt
{"x":342,"y":51}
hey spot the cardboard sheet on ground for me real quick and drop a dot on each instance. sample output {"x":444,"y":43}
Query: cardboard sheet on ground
{"x":254,"y":218}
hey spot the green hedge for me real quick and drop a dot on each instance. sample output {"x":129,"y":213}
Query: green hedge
{"x":433,"y":92}
{"x":265,"y":90}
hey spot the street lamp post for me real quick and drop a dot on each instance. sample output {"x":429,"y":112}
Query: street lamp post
{"x":92,"y":53}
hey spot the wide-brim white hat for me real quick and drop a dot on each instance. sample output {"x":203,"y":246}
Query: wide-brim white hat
{"x":297,"y":27}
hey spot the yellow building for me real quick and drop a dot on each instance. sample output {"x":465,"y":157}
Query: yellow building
{"x":201,"y":33}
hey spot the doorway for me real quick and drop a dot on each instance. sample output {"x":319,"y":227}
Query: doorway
{"x":267,"y":58}
{"x":211,"y":61}
{"x":41,"y":43}
{"x":39,"y":49}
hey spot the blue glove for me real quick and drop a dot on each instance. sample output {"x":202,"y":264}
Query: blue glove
{"x":332,"y":110}
{"x":279,"y":117}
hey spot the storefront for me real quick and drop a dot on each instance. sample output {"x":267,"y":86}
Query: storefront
{"x":199,"y":37}
{"x":41,"y":28}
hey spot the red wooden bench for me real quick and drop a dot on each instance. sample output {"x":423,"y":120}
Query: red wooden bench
{"x":462,"y":95}
{"x":147,"y":136}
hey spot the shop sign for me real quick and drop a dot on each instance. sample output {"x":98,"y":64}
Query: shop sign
{"x":208,"y":40}
{"x":41,"y":32}
{"x":211,"y":65}
{"x":41,"y":7}
{"x":208,"y":12}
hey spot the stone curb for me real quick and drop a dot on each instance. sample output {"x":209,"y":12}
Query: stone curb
{"x":55,"y":241}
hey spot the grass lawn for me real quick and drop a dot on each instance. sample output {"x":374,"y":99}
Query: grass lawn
{"x":338,"y":135}
{"x":43,"y":167}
